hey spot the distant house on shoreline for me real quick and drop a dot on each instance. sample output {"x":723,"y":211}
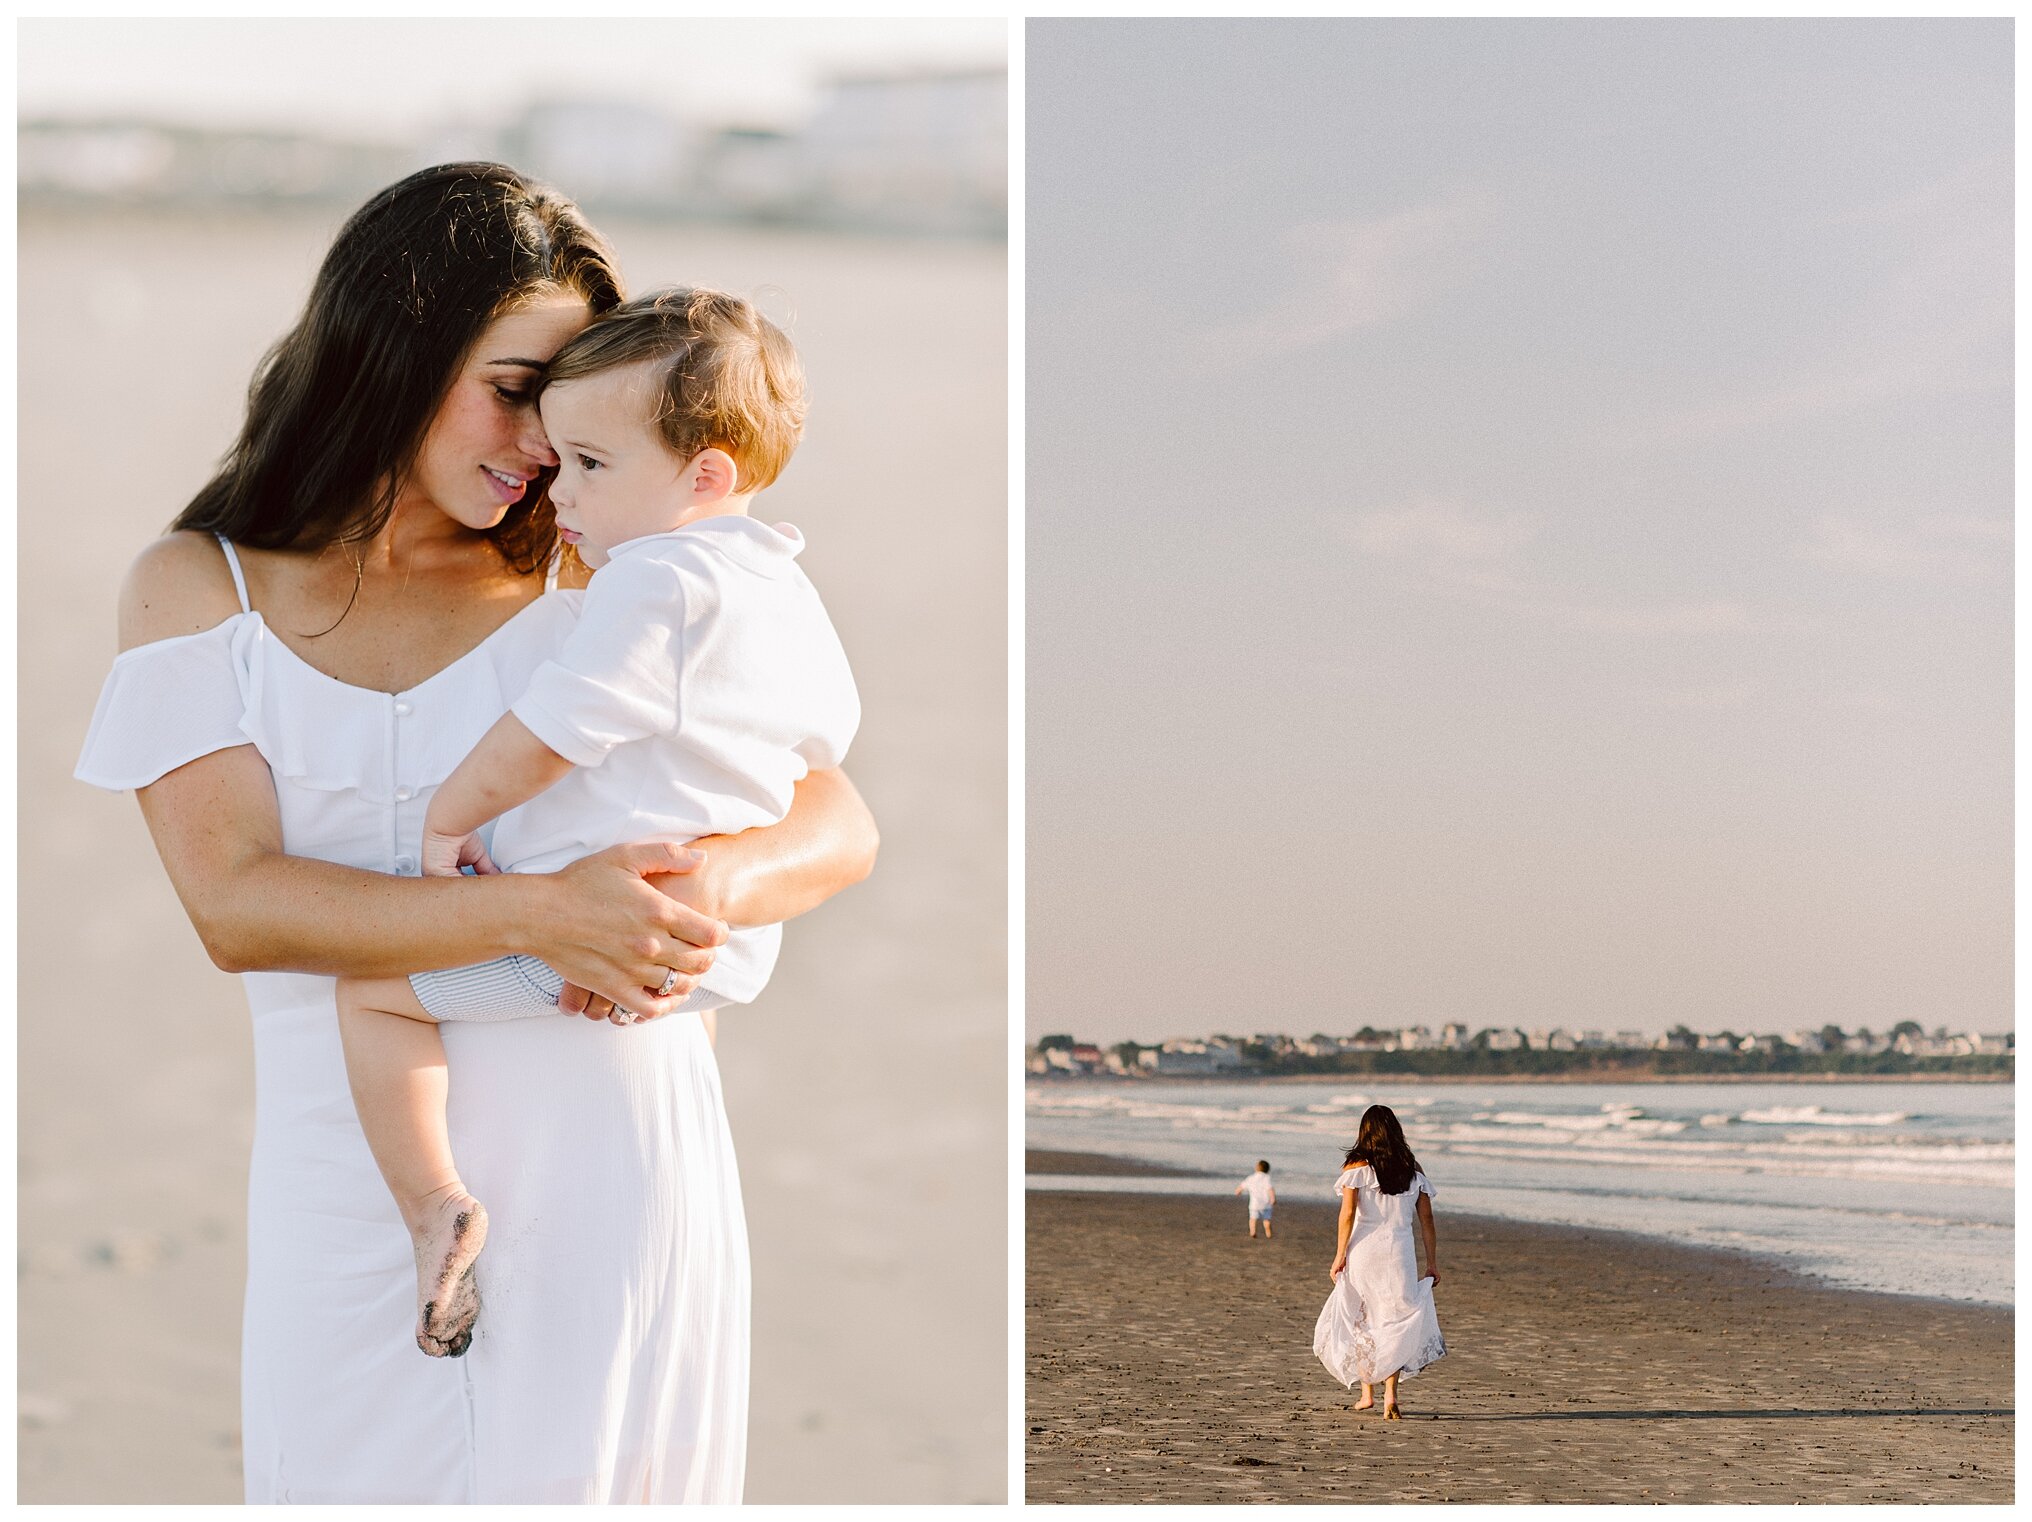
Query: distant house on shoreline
{"x":1412,"y":1050}
{"x":1180,"y":1057}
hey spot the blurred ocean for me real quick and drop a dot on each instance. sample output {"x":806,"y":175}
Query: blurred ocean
{"x":1903,"y":1187}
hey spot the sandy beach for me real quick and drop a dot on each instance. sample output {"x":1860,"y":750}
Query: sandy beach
{"x":878,"y":1051}
{"x":1169,"y":1358}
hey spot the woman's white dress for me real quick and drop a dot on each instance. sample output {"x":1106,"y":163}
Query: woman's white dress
{"x":610,"y":1363}
{"x":1380,"y":1318}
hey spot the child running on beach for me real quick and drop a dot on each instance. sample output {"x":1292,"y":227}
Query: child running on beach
{"x":702,"y":681}
{"x":1262,"y":1199}
{"x":1379,"y":1324}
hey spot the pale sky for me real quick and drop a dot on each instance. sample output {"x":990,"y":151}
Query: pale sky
{"x":1519,"y":525}
{"x":385,"y":79}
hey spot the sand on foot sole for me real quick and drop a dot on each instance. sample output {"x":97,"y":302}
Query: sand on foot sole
{"x":447,"y":1300}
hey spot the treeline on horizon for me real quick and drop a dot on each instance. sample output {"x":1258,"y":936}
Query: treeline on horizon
{"x":1524,"y":1062}
{"x":1527,"y":1062}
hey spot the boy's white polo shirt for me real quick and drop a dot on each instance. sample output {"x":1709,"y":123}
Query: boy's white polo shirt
{"x":702,"y":682}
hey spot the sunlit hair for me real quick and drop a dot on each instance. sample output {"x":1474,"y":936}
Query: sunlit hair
{"x":338,"y":409}
{"x":725,"y":376}
{"x":1379,"y":1142}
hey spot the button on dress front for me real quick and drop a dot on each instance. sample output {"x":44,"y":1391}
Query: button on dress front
{"x":610,"y":1363}
{"x":1380,"y":1318}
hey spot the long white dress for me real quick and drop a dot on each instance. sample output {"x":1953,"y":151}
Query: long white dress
{"x":1380,"y":1318}
{"x":610,"y":1363}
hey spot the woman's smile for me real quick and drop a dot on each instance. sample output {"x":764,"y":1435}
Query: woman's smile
{"x":488,"y":415}
{"x":508,"y":488}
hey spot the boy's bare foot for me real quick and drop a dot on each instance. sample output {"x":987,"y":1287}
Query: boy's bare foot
{"x":448,"y":1233}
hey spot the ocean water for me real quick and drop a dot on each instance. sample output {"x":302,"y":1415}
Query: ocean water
{"x":1900,"y":1187}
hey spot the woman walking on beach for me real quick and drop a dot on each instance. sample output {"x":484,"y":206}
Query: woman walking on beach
{"x":1379,"y":1324}
{"x":340,"y":614}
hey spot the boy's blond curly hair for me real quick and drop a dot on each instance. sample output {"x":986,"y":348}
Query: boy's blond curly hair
{"x":726,"y":376}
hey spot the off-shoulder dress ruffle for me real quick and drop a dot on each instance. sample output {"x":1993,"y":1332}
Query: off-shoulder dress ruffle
{"x":166,"y":704}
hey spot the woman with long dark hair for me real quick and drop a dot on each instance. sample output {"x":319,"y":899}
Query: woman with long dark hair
{"x":1380,"y":1324}
{"x":332,"y":623}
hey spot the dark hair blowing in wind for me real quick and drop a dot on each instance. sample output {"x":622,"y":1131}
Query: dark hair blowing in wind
{"x":338,"y":409}
{"x":1379,"y":1142}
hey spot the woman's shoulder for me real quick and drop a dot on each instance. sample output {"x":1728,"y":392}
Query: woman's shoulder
{"x":178,"y":585}
{"x":1354,"y":1176}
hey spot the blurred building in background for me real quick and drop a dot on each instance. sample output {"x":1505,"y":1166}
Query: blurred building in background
{"x":924,"y":149}
{"x":138,"y":162}
{"x":612,"y":154}
{"x":920,"y":152}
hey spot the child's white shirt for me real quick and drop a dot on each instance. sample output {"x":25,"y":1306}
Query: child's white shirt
{"x":1258,"y":1185}
{"x":702,"y":681}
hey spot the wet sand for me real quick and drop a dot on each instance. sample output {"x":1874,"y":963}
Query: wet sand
{"x":1099,"y":1165}
{"x":1169,"y":1358}
{"x":878,"y":1053}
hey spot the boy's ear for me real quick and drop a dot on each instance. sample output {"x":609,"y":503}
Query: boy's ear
{"x":714,"y":476}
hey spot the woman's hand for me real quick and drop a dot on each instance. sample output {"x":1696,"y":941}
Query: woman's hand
{"x":614,"y":937}
{"x":759,"y":877}
{"x":1334,"y":1273}
{"x":693,"y":890}
{"x":1433,"y":1274}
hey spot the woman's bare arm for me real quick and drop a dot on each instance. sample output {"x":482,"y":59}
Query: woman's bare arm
{"x":1427,"y":1230}
{"x":1347,"y":1226}
{"x":257,"y":908}
{"x":217,"y":827}
{"x":763,"y":876}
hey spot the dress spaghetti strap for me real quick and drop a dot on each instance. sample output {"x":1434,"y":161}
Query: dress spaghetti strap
{"x":233,"y":564}
{"x":550,"y":575}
